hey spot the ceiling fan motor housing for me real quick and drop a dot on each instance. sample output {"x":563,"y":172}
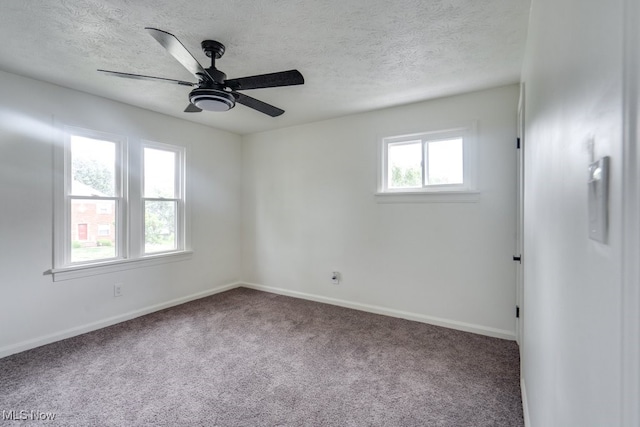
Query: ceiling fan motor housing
{"x":212,"y":99}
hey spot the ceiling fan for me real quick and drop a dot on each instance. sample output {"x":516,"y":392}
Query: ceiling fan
{"x":214,"y":92}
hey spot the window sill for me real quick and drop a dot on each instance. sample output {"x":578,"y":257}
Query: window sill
{"x":428,"y":197}
{"x":78,"y":271}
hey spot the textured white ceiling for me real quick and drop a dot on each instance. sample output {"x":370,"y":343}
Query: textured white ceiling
{"x":355,"y":55}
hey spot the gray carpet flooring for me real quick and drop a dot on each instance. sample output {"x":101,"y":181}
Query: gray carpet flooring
{"x":249,"y":358}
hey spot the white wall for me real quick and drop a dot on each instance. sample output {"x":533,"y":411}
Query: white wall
{"x":309,"y":209}
{"x":34,"y":308}
{"x":572,"y":317}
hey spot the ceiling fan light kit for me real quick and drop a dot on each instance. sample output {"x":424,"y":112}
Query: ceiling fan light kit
{"x":212,"y":99}
{"x":214,"y":92}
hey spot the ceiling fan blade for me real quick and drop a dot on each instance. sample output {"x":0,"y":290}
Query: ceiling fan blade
{"x":192,"y":109}
{"x":141,"y":77}
{"x":283,"y":78}
{"x":257,"y":105}
{"x":179,"y":52}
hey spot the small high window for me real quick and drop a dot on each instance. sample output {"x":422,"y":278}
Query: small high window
{"x":439,"y":161}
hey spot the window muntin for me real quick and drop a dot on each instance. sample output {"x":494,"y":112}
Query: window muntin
{"x":439,"y":161}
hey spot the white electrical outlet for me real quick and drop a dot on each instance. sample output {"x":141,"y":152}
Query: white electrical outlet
{"x":117,"y":290}
{"x":335,"y":277}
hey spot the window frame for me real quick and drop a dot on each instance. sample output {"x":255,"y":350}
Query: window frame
{"x":64,"y":198}
{"x":129,"y":212}
{"x":179,"y":198}
{"x":465,"y":192}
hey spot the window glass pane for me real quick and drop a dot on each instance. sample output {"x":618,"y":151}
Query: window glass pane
{"x":159,"y":226}
{"x":445,"y":162}
{"x":93,"y":167}
{"x":405,"y":165}
{"x":93,"y":232}
{"x":159,"y":173}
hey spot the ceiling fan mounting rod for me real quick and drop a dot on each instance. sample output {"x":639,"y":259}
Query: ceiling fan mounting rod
{"x":213,"y":50}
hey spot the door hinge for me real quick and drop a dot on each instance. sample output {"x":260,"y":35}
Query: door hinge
{"x":518,"y":143}
{"x":518,"y":258}
{"x":517,"y":311}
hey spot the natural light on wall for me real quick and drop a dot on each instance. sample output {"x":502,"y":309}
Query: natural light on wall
{"x":23,"y":124}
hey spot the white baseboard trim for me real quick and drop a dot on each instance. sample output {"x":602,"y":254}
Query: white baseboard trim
{"x":525,"y":403}
{"x":79,"y":330}
{"x":452,"y":324}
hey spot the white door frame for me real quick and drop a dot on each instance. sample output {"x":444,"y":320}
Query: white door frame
{"x":631,"y":219}
{"x":520,"y":220}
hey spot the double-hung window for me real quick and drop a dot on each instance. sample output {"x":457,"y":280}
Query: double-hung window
{"x":94,"y":199}
{"x":436,"y":162}
{"x":117,"y":202}
{"x":162,"y":200}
